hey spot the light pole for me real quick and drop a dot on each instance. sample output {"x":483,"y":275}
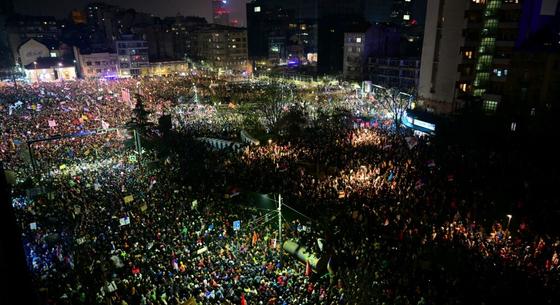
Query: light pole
{"x":280,"y":225}
{"x":509,"y":216}
{"x":279,"y":211}
{"x":35,"y":70}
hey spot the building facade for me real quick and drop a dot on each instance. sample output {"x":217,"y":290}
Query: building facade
{"x":395,"y":72}
{"x":164,"y":68}
{"x":98,"y":65}
{"x":490,"y":34}
{"x":222,"y":47}
{"x":354,"y":55}
{"x":441,"y":54}
{"x":50,"y":69}
{"x":492,"y":56}
{"x":132,"y":56}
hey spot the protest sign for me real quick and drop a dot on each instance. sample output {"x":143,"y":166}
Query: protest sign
{"x":201,"y":250}
{"x":124,"y":221}
{"x":128,"y":199}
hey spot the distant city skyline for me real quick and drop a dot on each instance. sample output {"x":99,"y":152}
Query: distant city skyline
{"x":160,"y":8}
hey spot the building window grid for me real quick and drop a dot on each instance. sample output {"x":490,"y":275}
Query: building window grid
{"x":490,"y":105}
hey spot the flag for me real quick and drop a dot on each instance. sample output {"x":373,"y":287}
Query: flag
{"x":411,"y":142}
{"x":104,"y":124}
{"x":391,"y":176}
{"x":125,"y":93}
{"x":329,"y":267}
{"x":307,"y":268}
{"x":52,"y":123}
{"x":255,"y":238}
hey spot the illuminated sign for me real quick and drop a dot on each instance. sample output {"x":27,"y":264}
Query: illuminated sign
{"x":423,"y":124}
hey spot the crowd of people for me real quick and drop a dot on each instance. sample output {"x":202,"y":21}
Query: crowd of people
{"x":404,"y":221}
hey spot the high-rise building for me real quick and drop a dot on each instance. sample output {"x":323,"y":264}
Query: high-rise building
{"x":354,"y":55}
{"x":220,"y":12}
{"x":334,"y":19}
{"x":132,"y":55}
{"x":318,"y":27}
{"x":490,"y":34}
{"x":469,"y":46}
{"x":222,"y":47}
{"x":441,"y":54}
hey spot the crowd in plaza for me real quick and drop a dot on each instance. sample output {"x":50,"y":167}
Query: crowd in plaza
{"x":404,"y":222}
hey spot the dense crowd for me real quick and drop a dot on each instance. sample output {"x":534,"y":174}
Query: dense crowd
{"x":403,"y":222}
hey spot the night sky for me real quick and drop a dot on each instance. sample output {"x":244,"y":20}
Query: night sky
{"x":162,"y":8}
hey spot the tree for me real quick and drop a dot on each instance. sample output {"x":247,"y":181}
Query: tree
{"x":139,"y":126}
{"x":140,"y":116}
{"x":272,"y":104}
{"x":394,"y":102}
{"x":293,"y":122}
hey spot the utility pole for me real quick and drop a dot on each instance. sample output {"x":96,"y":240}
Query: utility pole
{"x":280,"y":224}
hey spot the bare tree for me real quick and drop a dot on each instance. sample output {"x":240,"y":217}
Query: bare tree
{"x":394,"y":102}
{"x":272,"y":104}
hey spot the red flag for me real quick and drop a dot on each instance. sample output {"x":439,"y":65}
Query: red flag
{"x":307,"y":269}
{"x":243,"y":301}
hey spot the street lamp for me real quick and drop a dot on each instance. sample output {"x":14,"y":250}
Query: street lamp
{"x":279,"y":209}
{"x":509,"y":220}
{"x":35,"y":70}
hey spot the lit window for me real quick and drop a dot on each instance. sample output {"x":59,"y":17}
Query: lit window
{"x":257,"y":9}
{"x":463,"y":87}
{"x":468,"y":54}
{"x":359,"y":39}
{"x":490,"y":106}
{"x":53,"y":54}
{"x":406,"y":17}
